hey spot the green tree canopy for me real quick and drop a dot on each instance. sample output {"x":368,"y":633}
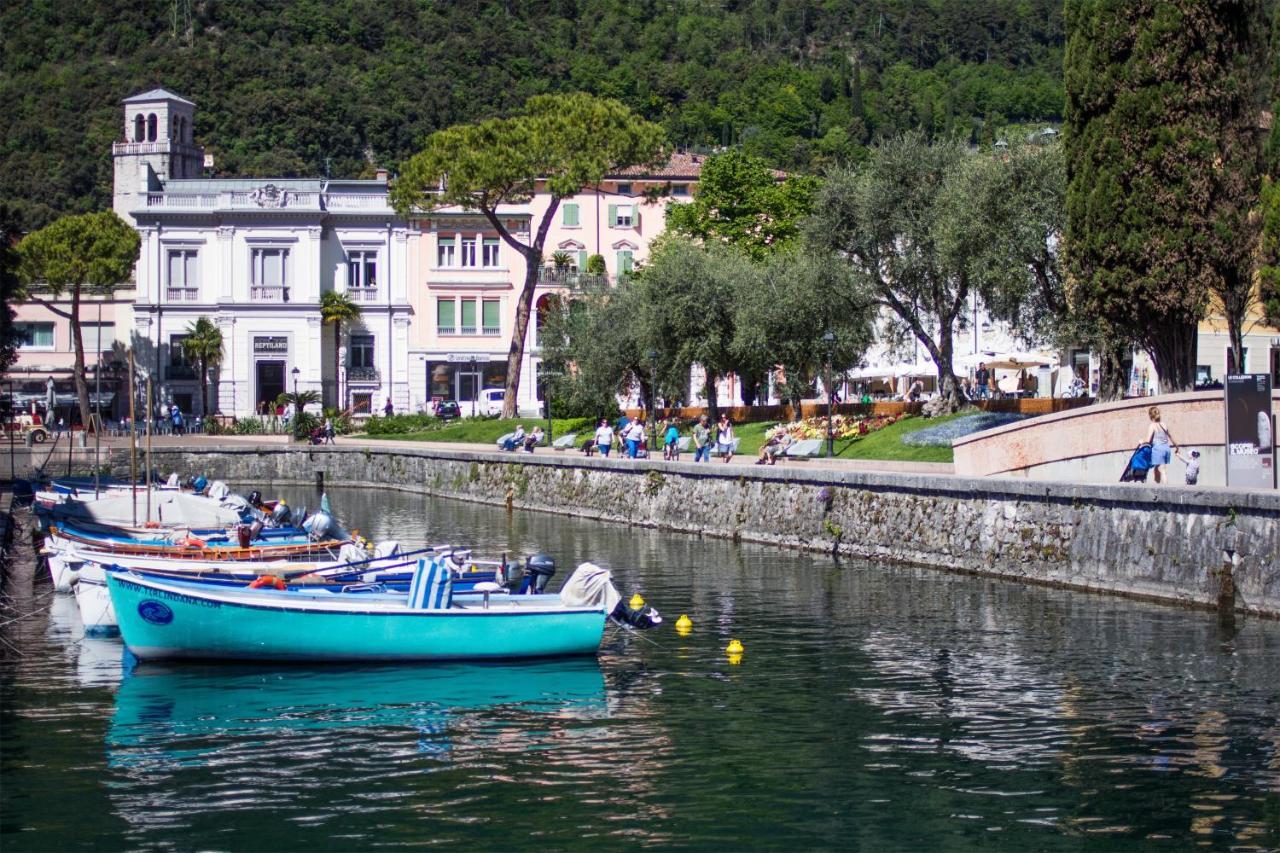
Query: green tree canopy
{"x":1162,"y":147}
{"x":95,"y":250}
{"x":744,"y":203}
{"x":10,"y":286}
{"x":559,"y":142}
{"x":886,"y":221}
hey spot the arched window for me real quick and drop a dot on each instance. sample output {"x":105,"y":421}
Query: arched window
{"x":151,"y":128}
{"x":139,"y":128}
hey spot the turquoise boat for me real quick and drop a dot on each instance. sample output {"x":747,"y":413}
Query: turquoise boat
{"x":161,"y":618}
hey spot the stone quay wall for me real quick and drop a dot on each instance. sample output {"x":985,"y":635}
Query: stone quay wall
{"x":1159,"y":543}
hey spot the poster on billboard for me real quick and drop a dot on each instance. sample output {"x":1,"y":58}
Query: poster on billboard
{"x":1250,"y":432}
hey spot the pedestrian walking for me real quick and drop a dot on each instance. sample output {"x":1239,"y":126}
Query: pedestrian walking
{"x":329,"y":431}
{"x":604,"y":437}
{"x":701,"y":440}
{"x":175,"y":417}
{"x":724,"y":438}
{"x":1162,"y":444}
{"x":980,"y":378}
{"x":671,"y":442}
{"x":388,"y":409}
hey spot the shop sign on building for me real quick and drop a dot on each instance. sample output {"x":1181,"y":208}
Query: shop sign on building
{"x":1250,"y":431}
{"x":270,"y":345}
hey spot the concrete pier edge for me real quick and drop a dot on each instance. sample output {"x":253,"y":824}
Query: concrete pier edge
{"x":1159,"y":543}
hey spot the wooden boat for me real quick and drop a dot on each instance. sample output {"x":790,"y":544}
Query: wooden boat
{"x":390,"y":573}
{"x":173,"y":619}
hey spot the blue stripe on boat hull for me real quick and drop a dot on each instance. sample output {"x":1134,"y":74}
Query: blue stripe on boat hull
{"x":190,"y":626}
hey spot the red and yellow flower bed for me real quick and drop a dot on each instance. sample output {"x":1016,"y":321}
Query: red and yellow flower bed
{"x":843,"y":426}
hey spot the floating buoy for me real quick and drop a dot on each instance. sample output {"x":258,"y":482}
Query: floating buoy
{"x":734,"y":648}
{"x":636,"y":602}
{"x":734,"y":660}
{"x":684,"y":624}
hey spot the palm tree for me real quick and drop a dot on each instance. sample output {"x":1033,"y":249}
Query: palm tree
{"x":203,"y":345}
{"x":337,"y":308}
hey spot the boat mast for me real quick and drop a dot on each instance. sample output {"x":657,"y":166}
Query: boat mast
{"x":149,"y":424}
{"x":133,"y":442}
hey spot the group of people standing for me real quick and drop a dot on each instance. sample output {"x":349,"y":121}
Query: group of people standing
{"x":630,"y":436}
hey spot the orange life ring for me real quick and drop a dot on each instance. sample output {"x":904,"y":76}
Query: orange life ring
{"x":268,"y":580}
{"x":152,"y":524}
{"x":194,"y":542}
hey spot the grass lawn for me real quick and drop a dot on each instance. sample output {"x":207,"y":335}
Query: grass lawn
{"x":489,"y":430}
{"x":884,"y":444}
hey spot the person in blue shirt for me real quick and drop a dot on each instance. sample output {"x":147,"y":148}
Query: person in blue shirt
{"x":671,"y":441}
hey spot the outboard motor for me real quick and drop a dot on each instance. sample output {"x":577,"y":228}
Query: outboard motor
{"x":538,"y":569}
{"x":318,"y":525}
{"x":255,"y":530}
{"x":281,"y":515}
{"x":255,"y":498}
{"x":643,"y":618}
{"x":199,"y":484}
{"x":511,"y":573}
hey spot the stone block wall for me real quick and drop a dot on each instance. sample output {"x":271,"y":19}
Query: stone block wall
{"x":1164,"y":543}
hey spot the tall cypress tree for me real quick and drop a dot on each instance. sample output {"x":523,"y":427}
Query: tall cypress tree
{"x":1162,"y":107}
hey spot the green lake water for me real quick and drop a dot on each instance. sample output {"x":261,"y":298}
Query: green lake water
{"x":875,"y":708}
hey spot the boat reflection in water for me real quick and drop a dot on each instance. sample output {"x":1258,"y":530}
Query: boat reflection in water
{"x":177,"y":716}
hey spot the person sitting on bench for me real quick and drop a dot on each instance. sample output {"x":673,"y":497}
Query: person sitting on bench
{"x":773,"y":448}
{"x":516,"y":439}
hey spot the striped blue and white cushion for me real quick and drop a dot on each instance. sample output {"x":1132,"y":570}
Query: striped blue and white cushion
{"x":432,"y":586}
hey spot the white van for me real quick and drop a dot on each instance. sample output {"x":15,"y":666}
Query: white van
{"x":491,"y":400}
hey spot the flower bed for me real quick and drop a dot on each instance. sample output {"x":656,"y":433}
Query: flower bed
{"x":843,"y":426}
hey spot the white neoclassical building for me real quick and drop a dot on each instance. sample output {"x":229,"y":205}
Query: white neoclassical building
{"x":255,"y":256}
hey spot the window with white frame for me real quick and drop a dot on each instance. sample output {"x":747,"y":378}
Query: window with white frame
{"x":468,"y":251}
{"x":184,"y":274}
{"x":491,"y":317}
{"x":446,"y":316}
{"x":624,"y":189}
{"x":362,"y":270}
{"x":490,"y":249}
{"x":445,"y":248}
{"x":269,"y":273}
{"x":624,"y":217}
{"x":34,"y":336}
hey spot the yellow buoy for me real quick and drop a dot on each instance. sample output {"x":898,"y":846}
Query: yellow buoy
{"x":734,"y":648}
{"x":636,"y":602}
{"x":684,"y":624}
{"x":735,"y":659}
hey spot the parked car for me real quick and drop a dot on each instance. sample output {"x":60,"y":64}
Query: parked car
{"x":447,"y":410}
{"x":491,"y":400}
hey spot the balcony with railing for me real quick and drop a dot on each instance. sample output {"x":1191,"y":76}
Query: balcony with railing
{"x":363,"y":373}
{"x":268,"y":293}
{"x":572,"y":279}
{"x":269,"y":197}
{"x":491,"y":331}
{"x":182,"y":294}
{"x":363,"y":294}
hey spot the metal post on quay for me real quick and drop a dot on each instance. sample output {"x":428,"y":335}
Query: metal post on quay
{"x":653,"y":401}
{"x":830,"y":340}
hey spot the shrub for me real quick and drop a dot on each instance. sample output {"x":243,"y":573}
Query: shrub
{"x":401,"y":424}
{"x":248,"y":426}
{"x":303,"y":423}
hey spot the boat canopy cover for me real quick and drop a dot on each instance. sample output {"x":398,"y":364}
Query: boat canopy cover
{"x":590,"y":586}
{"x":171,"y":509}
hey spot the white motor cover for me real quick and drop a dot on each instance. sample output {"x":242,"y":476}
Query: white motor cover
{"x":351,"y":553}
{"x":173,"y":482}
{"x":386,"y":548}
{"x":219,"y":490}
{"x":590,"y":586}
{"x":317,"y":526}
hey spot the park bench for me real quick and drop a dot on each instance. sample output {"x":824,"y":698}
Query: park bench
{"x":565,"y":442}
{"x":803,"y":450}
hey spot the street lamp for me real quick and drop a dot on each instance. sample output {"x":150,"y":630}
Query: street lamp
{"x":295,"y":373}
{"x":830,"y":340}
{"x":653,"y":401}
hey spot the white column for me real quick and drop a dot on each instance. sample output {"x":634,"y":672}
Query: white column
{"x":309,"y":353}
{"x":399,"y":379}
{"x":221,"y":271}
{"x":229,"y":373}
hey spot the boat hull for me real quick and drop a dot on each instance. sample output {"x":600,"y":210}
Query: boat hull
{"x":168,"y":621}
{"x":94,"y":600}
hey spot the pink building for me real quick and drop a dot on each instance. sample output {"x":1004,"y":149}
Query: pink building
{"x":46,"y":351}
{"x":467,"y":280}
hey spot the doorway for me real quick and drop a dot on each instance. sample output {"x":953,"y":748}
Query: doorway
{"x":270,"y":384}
{"x":467,"y":385}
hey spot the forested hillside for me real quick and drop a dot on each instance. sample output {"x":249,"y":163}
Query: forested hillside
{"x":286,"y":88}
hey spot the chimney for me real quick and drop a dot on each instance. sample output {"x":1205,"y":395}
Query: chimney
{"x":382,"y":174}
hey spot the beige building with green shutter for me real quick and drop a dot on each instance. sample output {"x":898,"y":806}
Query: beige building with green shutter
{"x":464,"y":301}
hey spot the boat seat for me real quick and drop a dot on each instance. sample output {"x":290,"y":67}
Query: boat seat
{"x":432,"y":586}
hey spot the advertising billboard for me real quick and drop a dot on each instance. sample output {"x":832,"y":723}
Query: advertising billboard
{"x":1250,"y":432}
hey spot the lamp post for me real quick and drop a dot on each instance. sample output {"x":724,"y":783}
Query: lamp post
{"x":830,"y":340}
{"x":295,"y":373}
{"x":653,"y":401}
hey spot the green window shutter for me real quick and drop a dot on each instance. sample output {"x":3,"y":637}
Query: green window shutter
{"x":445,"y":314}
{"x":491,"y":319}
{"x":624,"y":262}
{"x":582,"y":261}
{"x":469,"y":314}
{"x":613,"y":216}
{"x":571,"y":215}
